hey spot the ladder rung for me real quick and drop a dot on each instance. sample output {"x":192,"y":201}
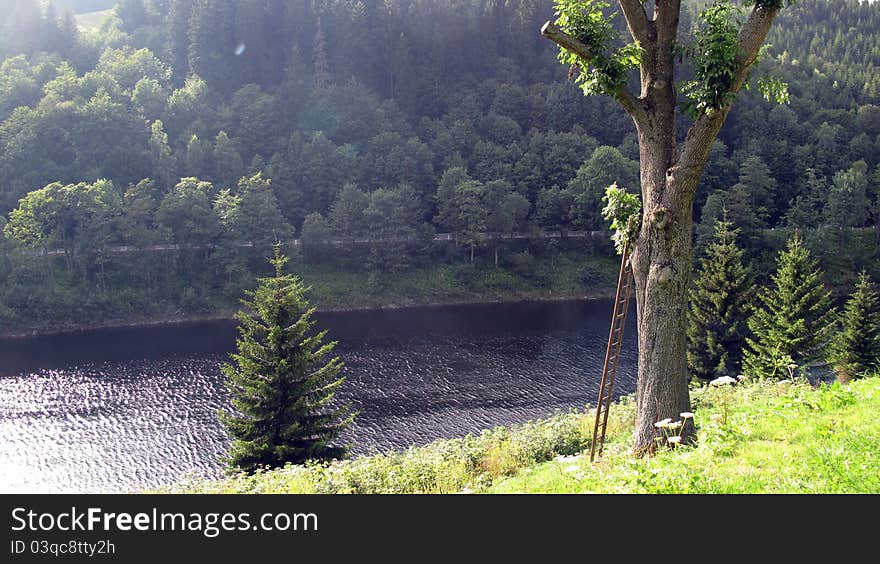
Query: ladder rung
{"x":612,"y":356}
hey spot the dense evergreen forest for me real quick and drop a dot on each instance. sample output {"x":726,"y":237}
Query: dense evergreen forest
{"x":159,"y":157}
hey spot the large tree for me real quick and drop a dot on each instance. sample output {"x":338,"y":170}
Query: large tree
{"x":282,"y":380}
{"x":722,"y":56}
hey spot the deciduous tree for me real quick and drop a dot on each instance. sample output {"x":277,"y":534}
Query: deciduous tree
{"x":722,"y":57}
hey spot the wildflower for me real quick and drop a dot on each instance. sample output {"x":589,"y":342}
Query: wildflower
{"x":686,"y":415}
{"x":674,"y":440}
{"x":674,"y":426}
{"x":723,"y":381}
{"x":663,"y":423}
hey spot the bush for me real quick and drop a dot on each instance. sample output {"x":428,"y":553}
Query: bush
{"x":445,"y":466}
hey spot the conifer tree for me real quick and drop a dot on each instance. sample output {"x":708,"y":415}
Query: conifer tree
{"x":212,"y":44}
{"x":321,"y":78}
{"x":856,"y":348}
{"x":180,"y":13}
{"x":719,"y":307}
{"x":281,"y":382}
{"x":795,"y":317}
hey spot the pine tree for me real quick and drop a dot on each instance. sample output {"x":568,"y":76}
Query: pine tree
{"x":719,"y":307}
{"x":856,"y":348}
{"x":133,"y":14}
{"x":321,"y":77}
{"x":178,"y":29}
{"x":795,"y":318}
{"x":212,"y":43}
{"x":281,"y":382}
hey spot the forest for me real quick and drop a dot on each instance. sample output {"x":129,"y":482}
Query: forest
{"x":150,"y":164}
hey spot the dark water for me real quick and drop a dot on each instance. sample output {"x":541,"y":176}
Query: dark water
{"x":118,"y":410}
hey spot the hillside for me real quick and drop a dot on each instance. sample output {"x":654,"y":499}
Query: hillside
{"x":395,"y":121}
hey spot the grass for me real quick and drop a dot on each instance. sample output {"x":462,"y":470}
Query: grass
{"x":778,"y":437}
{"x":757,"y":437}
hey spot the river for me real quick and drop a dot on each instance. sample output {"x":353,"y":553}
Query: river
{"x":118,"y":410}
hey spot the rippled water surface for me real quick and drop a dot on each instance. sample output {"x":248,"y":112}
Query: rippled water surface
{"x":118,"y":410}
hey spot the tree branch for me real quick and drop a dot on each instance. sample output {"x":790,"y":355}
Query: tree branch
{"x":636,"y":20}
{"x":556,"y":34}
{"x":705,"y":129}
{"x":623,"y":96}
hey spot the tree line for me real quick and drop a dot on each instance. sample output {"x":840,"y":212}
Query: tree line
{"x":392,"y":119}
{"x":790,"y":327}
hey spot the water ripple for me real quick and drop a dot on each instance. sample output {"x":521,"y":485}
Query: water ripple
{"x":104,"y":427}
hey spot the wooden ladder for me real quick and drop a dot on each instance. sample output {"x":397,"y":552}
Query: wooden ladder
{"x":612,"y":355}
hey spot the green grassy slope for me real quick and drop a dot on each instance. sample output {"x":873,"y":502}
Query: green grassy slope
{"x":758,"y":437}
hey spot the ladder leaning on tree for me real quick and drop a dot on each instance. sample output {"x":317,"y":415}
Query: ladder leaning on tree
{"x":612,"y":354}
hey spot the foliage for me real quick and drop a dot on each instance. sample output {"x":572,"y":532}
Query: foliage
{"x":123,"y":104}
{"x":790,"y":438}
{"x":448,"y":466}
{"x":607,"y":70}
{"x":795,"y":317}
{"x":282,"y":382}
{"x":719,"y":308}
{"x":623,"y":210}
{"x":774,"y":90}
{"x":714,"y":59}
{"x":605,"y":166}
{"x":855,"y":351}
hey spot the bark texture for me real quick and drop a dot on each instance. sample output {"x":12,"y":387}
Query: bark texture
{"x":662,"y":255}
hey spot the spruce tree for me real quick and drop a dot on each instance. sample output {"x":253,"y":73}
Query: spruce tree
{"x":794,"y":320}
{"x":719,"y":307}
{"x":321,"y":77}
{"x":180,"y":13}
{"x":281,"y":382}
{"x":855,"y":350}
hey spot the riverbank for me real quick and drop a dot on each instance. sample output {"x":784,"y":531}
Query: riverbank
{"x":570,"y":276}
{"x":757,"y":437}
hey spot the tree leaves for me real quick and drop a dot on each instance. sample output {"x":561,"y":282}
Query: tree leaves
{"x":606,"y":71}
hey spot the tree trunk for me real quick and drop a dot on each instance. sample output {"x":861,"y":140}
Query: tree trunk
{"x":661,"y":266}
{"x":661,"y":263}
{"x":661,"y":258}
